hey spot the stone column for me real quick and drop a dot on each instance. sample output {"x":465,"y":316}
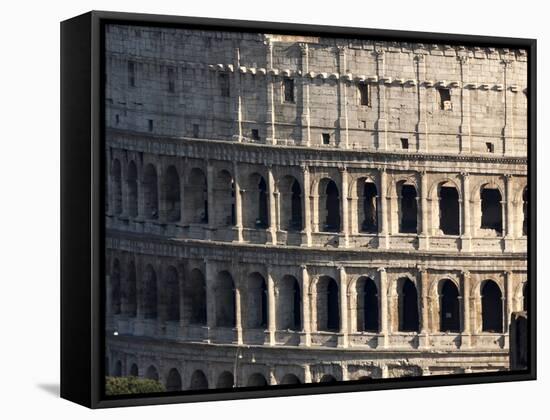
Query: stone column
{"x":210,"y":193}
{"x":343,"y":336}
{"x":272,"y":380}
{"x":305,"y":337}
{"x":383,"y":293}
{"x":466,"y":331}
{"x":273,"y":196}
{"x":342,"y":99}
{"x":304,"y":83}
{"x":238,"y":202}
{"x":344,"y":205}
{"x":466,"y":239}
{"x":270,"y":96}
{"x":464,"y":129}
{"x":210,"y":280}
{"x":422,"y":124}
{"x":238,"y":312}
{"x":383,"y":240}
{"x":509,"y":307}
{"x":271,"y":316}
{"x":306,"y":188}
{"x":237,"y":94}
{"x":382,"y":121}
{"x":424,"y":238}
{"x":423,"y":282}
{"x":509,"y":216}
{"x":307,"y":374}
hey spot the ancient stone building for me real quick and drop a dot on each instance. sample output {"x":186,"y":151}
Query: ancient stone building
{"x":287,"y":209}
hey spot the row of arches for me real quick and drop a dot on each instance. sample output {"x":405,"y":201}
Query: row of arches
{"x":177,"y":299}
{"x":167,"y":194}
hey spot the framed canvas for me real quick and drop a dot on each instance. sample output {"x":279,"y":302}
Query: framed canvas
{"x":255,"y":209}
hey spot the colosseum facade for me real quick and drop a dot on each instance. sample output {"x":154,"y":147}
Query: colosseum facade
{"x":293,"y":209}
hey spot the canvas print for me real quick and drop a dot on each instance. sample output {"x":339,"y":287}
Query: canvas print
{"x":288,"y":209}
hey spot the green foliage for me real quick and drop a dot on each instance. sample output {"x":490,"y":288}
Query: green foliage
{"x":131,"y":385}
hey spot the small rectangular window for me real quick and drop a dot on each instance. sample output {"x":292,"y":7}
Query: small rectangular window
{"x":171,"y":80}
{"x":445,"y":99}
{"x":196,"y":130}
{"x":404,"y":143}
{"x":288,"y":88}
{"x":326,"y":138}
{"x":490,"y":147}
{"x":117,"y":119}
{"x":255,"y":134}
{"x":150,"y":124}
{"x":131,"y":74}
{"x":224,"y":85}
{"x":364,"y":94}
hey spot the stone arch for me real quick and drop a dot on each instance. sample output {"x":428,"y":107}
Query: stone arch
{"x":256,"y":301}
{"x":491,"y":307}
{"x":290,"y":379}
{"x":446,"y":209}
{"x":407,"y":206}
{"x":152,"y":373}
{"x":224,"y":191}
{"x":173,"y":381}
{"x":194,"y":297}
{"x":409,"y":320}
{"x":490,"y":196}
{"x":256,"y":379}
{"x":328,"y":304}
{"x":132,"y":186}
{"x":130,"y":291}
{"x":289,"y":302}
{"x":116,"y":293}
{"x":171,"y":193}
{"x":449,"y":306}
{"x":256,"y":209}
{"x":329,"y":206}
{"x":368,"y":204}
{"x":291,"y":203}
{"x":134,"y":370}
{"x":116,"y":177}
{"x":150,"y":298}
{"x":327,"y":378}
{"x":196,"y":197}
{"x":150,"y":192}
{"x":225,"y":300}
{"x":172,"y":294}
{"x":368,"y":318}
{"x":225,"y":380}
{"x":198,"y":380}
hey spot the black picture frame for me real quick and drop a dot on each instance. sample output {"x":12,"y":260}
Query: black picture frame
{"x":82,"y":204}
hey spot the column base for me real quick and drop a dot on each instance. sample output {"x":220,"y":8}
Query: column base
{"x":342,"y":341}
{"x":383,"y":341}
{"x":509,"y":245}
{"x":272,"y":235}
{"x":383,"y":241}
{"x":423,"y":242}
{"x":466,"y":341}
{"x":465,"y":244}
{"x":423,"y":341}
{"x":305,"y":339}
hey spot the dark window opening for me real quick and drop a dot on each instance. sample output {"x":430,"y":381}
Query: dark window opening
{"x":333,"y":312}
{"x":172,"y":295}
{"x":297,"y":307}
{"x":491,"y":209}
{"x":150,"y":125}
{"x":225,"y":302}
{"x":328,"y":378}
{"x":263,"y":303}
{"x":450,"y":308}
{"x":223,"y":80}
{"x":117,"y":119}
{"x":225,"y":380}
{"x":173,"y":382}
{"x":288,"y":89}
{"x":172,"y":195}
{"x":150,"y":192}
{"x":491,"y":307}
{"x":171,"y":80}
{"x":326,"y":138}
{"x":296,"y":207}
{"x":370,"y":314}
{"x":332,"y":207}
{"x":196,"y":130}
{"x":408,"y":209}
{"x":262,"y":221}
{"x":152,"y":373}
{"x":290,"y":379}
{"x":404,"y":143}
{"x":115,"y":288}
{"x":198,"y":380}
{"x":129,"y":298}
{"x":449,"y":211}
{"x":445,"y":99}
{"x":256,"y":302}
{"x":150,"y":310}
{"x":196,"y":295}
{"x":370,"y":210}
{"x":408,"y":308}
{"x":364,"y":96}
{"x":525,"y":301}
{"x":233,"y":216}
{"x":132,"y":182}
{"x":117,"y":186}
{"x":196,"y":197}
{"x":118,"y":369}
{"x":255,"y":134}
{"x":256,"y":379}
{"x":525,"y":224}
{"x":134,"y":371}
{"x":490,"y":147}
{"x":131,"y":74}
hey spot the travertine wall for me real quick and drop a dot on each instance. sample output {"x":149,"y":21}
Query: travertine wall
{"x":220,"y":150}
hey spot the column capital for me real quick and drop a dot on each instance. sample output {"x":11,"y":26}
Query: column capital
{"x":381,"y":269}
{"x":466,"y":273}
{"x":421,"y":269}
{"x":508,"y":176}
{"x":303,"y":266}
{"x":342,"y":168}
{"x":419,"y":57}
{"x":303,"y":47}
{"x":507,"y":62}
{"x":341,"y":269}
{"x":382,"y":169}
{"x":304,"y":168}
{"x":464,"y":174}
{"x":379,"y":53}
{"x":463,"y":59}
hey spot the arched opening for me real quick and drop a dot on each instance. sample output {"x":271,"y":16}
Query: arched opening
{"x":367,"y":305}
{"x":525,"y":300}
{"x":256,"y":301}
{"x":491,"y":307}
{"x":491,"y":209}
{"x":525,"y":226}
{"x":224,"y":191}
{"x":408,"y":307}
{"x":149,"y":293}
{"x":327,"y":378}
{"x":198,"y":380}
{"x":225,"y":300}
{"x":329,"y":206}
{"x":173,"y":381}
{"x":296,"y":207}
{"x":134,"y":371}
{"x":116,"y":174}
{"x":196,"y":197}
{"x":195,"y":298}
{"x":367,"y":195}
{"x":129,"y":291}
{"x":328,"y":312}
{"x":256,"y":379}
{"x":291,"y":204}
{"x":449,"y":211}
{"x":150,"y":192}
{"x":289,"y":304}
{"x":152,"y":373}
{"x":290,"y":379}
{"x":171,"y":189}
{"x":118,"y":369}
{"x":132,"y":182}
{"x":225,"y":380}
{"x":408,"y":209}
{"x":450,"y":308}
{"x":115,"y":287}
{"x":172,"y":294}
